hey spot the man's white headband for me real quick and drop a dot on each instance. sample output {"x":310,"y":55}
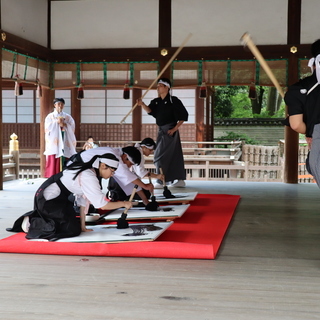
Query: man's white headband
{"x":165,"y":83}
{"x":109,"y":162}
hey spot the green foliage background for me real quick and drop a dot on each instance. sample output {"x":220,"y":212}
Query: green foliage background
{"x":234,"y":102}
{"x":233,"y":136}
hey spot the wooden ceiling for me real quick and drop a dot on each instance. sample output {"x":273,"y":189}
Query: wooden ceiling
{"x":23,"y":46}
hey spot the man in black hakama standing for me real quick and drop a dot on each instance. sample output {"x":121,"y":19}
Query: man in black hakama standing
{"x":170,"y":114}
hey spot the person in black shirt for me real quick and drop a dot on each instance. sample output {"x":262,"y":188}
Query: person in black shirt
{"x":170,"y":114}
{"x":303,"y":101}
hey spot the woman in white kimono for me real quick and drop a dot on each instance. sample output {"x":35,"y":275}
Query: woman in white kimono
{"x":60,"y":141}
{"x":54,"y":215}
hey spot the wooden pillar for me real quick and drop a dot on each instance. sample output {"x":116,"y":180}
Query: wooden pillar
{"x":291,"y":153}
{"x":209,"y":125}
{"x":165,"y":23}
{"x":136,"y":116}
{"x":291,"y":147}
{"x":199,"y":116}
{"x":46,"y":106}
{"x":164,"y":42}
{"x":76,"y":113}
{"x":1,"y":128}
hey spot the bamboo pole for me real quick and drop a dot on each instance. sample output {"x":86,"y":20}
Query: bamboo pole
{"x":160,"y":74}
{"x":246,"y":40}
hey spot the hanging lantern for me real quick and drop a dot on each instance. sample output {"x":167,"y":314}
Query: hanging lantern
{"x":203,"y":91}
{"x":39,"y":89}
{"x":18,"y":89}
{"x":80,"y":94}
{"x":126,"y":92}
{"x":252,"y":92}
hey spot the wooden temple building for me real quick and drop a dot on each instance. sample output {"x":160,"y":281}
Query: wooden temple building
{"x":103,"y":46}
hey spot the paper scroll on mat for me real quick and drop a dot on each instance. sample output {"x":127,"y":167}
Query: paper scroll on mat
{"x":110,"y":233}
{"x":164,"y":212}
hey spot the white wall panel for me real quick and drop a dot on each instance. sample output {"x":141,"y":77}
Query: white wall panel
{"x":96,"y":24}
{"x":310,"y":22}
{"x":26,"y":19}
{"x":222,"y":23}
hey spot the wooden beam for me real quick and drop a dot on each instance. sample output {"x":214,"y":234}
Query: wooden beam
{"x":188,"y":53}
{"x":15,"y":43}
{"x":26,"y":47}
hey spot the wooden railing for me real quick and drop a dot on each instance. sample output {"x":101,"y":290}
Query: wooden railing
{"x":10,"y":165}
{"x":214,"y":160}
{"x":213,"y":163}
{"x":205,"y":169}
{"x":12,"y":169}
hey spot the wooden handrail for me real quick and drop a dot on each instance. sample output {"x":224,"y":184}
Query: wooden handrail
{"x":12,"y":166}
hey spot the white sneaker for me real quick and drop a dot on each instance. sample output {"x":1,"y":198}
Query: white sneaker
{"x":158,"y":185}
{"x":178,"y":184}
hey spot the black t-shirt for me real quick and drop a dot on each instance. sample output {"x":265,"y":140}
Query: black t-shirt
{"x":168,"y":110}
{"x":299,"y":101}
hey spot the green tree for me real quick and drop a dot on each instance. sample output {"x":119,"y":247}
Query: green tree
{"x":223,"y":100}
{"x":241,"y":104}
{"x":272,"y":102}
{"x":234,"y":102}
{"x":233,"y":136}
{"x":257,"y":103}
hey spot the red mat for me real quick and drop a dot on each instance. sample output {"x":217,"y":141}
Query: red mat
{"x":196,"y":235}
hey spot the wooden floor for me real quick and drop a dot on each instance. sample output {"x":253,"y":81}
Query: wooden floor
{"x":268,"y":267}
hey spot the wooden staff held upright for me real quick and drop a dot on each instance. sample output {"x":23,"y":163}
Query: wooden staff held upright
{"x":160,"y":74}
{"x":246,"y":40}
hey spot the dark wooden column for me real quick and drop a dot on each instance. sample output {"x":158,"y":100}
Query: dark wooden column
{"x":76,"y":112}
{"x":165,"y":23}
{"x":46,"y":106}
{"x":1,"y":128}
{"x":136,"y":116}
{"x":209,"y":125}
{"x":165,"y":35}
{"x":212,"y":106}
{"x":291,"y":148}
{"x":199,"y":116}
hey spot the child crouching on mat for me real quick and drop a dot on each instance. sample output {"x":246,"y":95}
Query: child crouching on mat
{"x":145,"y":147}
{"x":54,"y":216}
